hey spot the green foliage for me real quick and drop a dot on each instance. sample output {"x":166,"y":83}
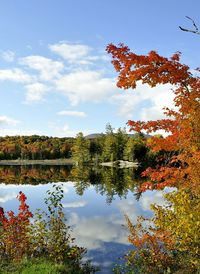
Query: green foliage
{"x":43,"y":266}
{"x":114,"y":143}
{"x":110,"y":145}
{"x":182,"y":219}
{"x":107,"y":181}
{"x":169,"y":241}
{"x":80,"y":150}
{"x":51,"y":233}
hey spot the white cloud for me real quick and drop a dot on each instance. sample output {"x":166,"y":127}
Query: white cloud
{"x":15,"y":75}
{"x":94,"y":231}
{"x":76,"y":54}
{"x":73,"y":53}
{"x":75,"y":204}
{"x":152,"y":197}
{"x":48,"y":69}
{"x":132,"y":208}
{"x":74,"y":113}
{"x":8,"y":56}
{"x":78,"y":85}
{"x":7,"y":197}
{"x":8,"y":121}
{"x":7,"y":187}
{"x":81,"y":83}
{"x":83,"y":86}
{"x":144,"y":102}
{"x":65,"y":131}
{"x":35,"y":92}
{"x":67,"y":186}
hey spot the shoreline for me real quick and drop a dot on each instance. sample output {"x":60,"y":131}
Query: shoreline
{"x":37,"y":162}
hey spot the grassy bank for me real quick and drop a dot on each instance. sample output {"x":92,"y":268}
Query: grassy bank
{"x":44,"y":266}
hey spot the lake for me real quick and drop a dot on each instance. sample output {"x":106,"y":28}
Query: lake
{"x":95,"y":201}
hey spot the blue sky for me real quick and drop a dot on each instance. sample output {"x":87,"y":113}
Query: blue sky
{"x":55,"y":76}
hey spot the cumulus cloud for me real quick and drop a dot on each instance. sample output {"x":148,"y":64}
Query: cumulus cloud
{"x":144,"y":102}
{"x":92,"y":232}
{"x":130,"y":207}
{"x":8,"y":56}
{"x":78,"y":54}
{"x":48,"y":69}
{"x":152,"y":197}
{"x":7,"y":197}
{"x":15,"y":75}
{"x":62,"y":131}
{"x":35,"y":92}
{"x":83,"y":86}
{"x":75,"y":81}
{"x":81,"y":83}
{"x":4,"y":120}
{"x":65,"y":130}
{"x":134,"y":208}
{"x":74,"y":113}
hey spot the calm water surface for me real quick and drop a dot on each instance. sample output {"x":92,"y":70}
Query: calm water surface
{"x":95,"y":201}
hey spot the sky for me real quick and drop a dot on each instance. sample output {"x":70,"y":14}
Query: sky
{"x":56,"y":78}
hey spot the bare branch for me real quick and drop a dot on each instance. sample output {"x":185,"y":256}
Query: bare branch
{"x":196,"y":31}
{"x":193,"y":22}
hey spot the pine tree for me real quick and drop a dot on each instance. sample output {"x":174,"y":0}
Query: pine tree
{"x":80,"y":149}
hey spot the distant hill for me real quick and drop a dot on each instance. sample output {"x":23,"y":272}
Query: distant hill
{"x":98,"y":135}
{"x":147,"y":136}
{"x":94,"y":136}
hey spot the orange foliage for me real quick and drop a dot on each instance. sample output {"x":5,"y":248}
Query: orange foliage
{"x":181,"y":166}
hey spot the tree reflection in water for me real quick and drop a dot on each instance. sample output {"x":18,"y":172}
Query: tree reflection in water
{"x":107,"y":181}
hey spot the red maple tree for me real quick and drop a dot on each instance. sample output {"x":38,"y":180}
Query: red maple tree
{"x":180,"y":165}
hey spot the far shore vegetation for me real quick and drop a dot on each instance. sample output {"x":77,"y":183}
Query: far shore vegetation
{"x":94,"y":149}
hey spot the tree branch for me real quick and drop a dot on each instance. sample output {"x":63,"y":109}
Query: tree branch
{"x":196,"y":30}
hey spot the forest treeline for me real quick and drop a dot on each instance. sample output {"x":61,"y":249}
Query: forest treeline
{"x":111,"y":146}
{"x":35,"y":147}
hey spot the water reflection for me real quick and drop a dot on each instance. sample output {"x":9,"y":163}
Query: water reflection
{"x":97,"y":225}
{"x":109,"y":182}
{"x":35,"y":174}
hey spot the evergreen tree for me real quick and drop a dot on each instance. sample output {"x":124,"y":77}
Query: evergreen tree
{"x":80,"y":150}
{"x":121,"y":139}
{"x":129,"y":150}
{"x":110,"y":145}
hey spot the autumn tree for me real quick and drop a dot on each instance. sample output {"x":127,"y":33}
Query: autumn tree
{"x":34,"y":147}
{"x":170,"y":244}
{"x":182,"y":123}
